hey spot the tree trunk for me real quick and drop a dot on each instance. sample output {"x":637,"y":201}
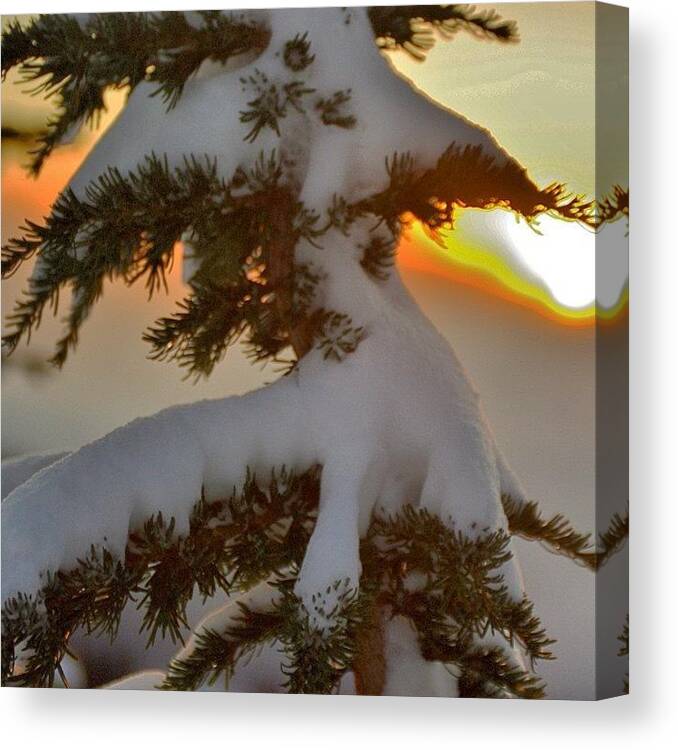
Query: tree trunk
{"x":369,"y":664}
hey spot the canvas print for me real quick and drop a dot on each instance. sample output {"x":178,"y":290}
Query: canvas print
{"x":315,"y":350}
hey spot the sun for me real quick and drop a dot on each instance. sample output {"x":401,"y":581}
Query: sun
{"x":562,"y":269}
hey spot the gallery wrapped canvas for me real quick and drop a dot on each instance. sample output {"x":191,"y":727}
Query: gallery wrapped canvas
{"x":315,"y":350}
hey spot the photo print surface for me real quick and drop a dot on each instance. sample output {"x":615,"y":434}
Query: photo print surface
{"x":315,"y":331}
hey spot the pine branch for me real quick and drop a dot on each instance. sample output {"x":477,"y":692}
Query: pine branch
{"x":467,"y":177}
{"x":413,"y":28}
{"x":231,"y":545}
{"x":611,"y":540}
{"x":623,"y":638}
{"x":489,"y":673}
{"x":611,"y":207}
{"x":127,"y":227}
{"x":271,"y":103}
{"x":296,"y":53}
{"x":332,"y":110}
{"x":448,"y":624}
{"x":336,"y":335}
{"x":247,"y":285}
{"x":262,"y":533}
{"x":378,"y":257}
{"x":316,"y":660}
{"x":76,"y":62}
{"x":216,"y":655}
{"x":463,"y":581}
{"x":558,"y":536}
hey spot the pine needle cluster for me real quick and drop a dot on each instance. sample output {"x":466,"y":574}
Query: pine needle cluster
{"x":558,"y":536}
{"x":467,"y":177}
{"x":624,"y":649}
{"x":413,"y":28}
{"x":613,"y":206}
{"x":127,"y":227}
{"x":75,"y":62}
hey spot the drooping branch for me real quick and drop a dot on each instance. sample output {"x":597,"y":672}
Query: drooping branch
{"x":259,"y":534}
{"x":613,"y":206}
{"x":215,"y":655}
{"x":467,"y":177}
{"x":448,"y":586}
{"x":557,"y":534}
{"x":75,"y":62}
{"x":127,"y":227}
{"x":231,"y":545}
{"x":413,"y":28}
{"x":623,"y":638}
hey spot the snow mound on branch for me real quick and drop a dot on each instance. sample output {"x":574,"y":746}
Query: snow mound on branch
{"x":390,"y":115}
{"x":16,"y":471}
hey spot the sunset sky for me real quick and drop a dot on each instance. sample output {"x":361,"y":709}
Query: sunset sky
{"x":538,"y":99}
{"x":517,"y":306}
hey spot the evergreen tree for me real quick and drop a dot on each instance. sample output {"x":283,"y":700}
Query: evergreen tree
{"x":348,"y":513}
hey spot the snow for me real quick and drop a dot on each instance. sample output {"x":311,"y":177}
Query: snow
{"x":396,"y":422}
{"x":408,"y":673}
{"x":147,"y":679}
{"x":16,"y":471}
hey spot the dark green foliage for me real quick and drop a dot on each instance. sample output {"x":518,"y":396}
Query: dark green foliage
{"x":296,"y":53}
{"x":271,"y":102}
{"x":463,"y":594}
{"x":558,"y":536}
{"x":341,"y":214}
{"x":76,"y":62}
{"x":231,"y":545}
{"x":467,"y":177}
{"x":613,"y":206}
{"x":332,"y":112}
{"x":624,"y":649}
{"x":314,"y":662}
{"x":613,"y":538}
{"x":462,"y":599}
{"x":413,"y":28}
{"x":215,"y":654}
{"x":218,"y":37}
{"x":448,"y":586}
{"x":127,"y":227}
{"x":488,"y":673}
{"x":337,"y":336}
{"x":378,"y":257}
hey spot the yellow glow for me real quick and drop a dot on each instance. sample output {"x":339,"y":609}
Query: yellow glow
{"x":468,"y":258}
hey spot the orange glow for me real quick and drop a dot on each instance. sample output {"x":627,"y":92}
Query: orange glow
{"x":28,"y":198}
{"x":462,"y":264}
{"x":410,"y":256}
